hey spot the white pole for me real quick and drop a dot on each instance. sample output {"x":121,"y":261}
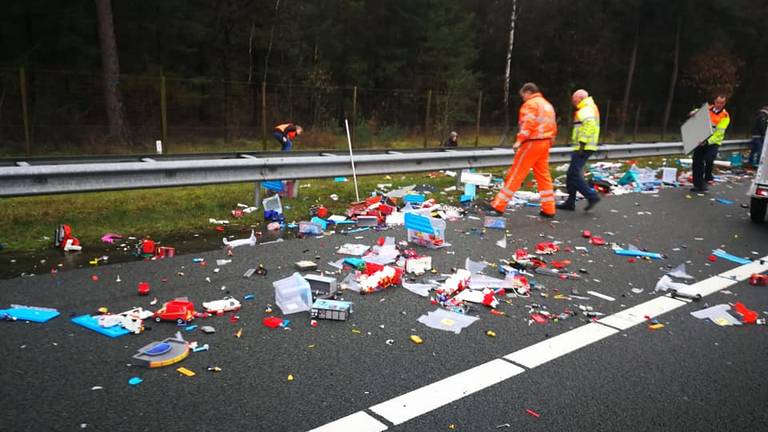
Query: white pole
{"x":352,"y":159}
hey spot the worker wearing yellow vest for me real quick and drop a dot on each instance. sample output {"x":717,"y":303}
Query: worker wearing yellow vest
{"x":704,"y":155}
{"x":285,"y":133}
{"x":538,"y":128}
{"x":586,"y":131}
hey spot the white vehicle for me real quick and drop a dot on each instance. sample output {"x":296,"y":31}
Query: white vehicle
{"x":759,"y":190}
{"x":220,"y":306}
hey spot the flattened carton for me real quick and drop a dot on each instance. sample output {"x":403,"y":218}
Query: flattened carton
{"x":331,"y":309}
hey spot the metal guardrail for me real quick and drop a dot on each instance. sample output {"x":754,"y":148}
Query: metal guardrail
{"x":99,"y":175}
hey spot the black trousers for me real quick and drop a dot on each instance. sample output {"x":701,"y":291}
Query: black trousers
{"x":703,"y":161}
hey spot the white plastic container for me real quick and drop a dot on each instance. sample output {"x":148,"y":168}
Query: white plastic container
{"x":293,"y":294}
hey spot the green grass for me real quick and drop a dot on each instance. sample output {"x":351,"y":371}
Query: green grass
{"x":28,"y":223}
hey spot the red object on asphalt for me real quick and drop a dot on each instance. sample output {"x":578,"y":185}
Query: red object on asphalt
{"x":758,"y":280}
{"x":597,"y":241}
{"x":143,"y":288}
{"x":533,"y":413}
{"x":712,"y":258}
{"x":179,"y":310}
{"x":631,"y":260}
{"x":561,"y":264}
{"x":748,"y":316}
{"x":219,"y":228}
{"x":272,"y":322}
{"x":586,"y":233}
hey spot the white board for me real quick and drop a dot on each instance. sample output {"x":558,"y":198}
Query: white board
{"x":697,"y":129}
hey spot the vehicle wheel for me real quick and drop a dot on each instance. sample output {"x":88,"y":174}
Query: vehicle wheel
{"x":757,"y":208}
{"x":158,"y":319}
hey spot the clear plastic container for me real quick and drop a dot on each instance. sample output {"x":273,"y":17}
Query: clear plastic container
{"x":272,"y":203}
{"x":293,"y":294}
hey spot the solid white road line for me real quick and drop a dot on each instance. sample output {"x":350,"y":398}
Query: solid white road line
{"x":637,"y":314}
{"x":707,"y":286}
{"x":425,"y":399}
{"x":358,"y":422}
{"x":743,"y":272}
{"x":430,"y":397}
{"x":560,"y":345}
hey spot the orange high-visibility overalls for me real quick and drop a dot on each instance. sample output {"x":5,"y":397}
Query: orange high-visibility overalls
{"x":538,"y":129}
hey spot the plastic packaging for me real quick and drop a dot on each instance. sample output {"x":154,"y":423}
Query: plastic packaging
{"x":425,"y":231}
{"x":272,"y":203}
{"x":293,"y":294}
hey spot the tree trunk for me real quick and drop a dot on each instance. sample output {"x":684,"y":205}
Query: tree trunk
{"x":251,"y":71}
{"x":630,"y":75}
{"x":673,"y":79}
{"x":508,"y":71}
{"x":113,"y":99}
{"x":271,"y":39}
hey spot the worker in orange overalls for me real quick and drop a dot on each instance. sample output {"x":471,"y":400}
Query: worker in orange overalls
{"x":538,"y":129}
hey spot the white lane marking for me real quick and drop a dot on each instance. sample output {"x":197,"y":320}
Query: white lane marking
{"x":636,"y":314}
{"x":743,"y":272}
{"x":560,"y":345}
{"x":358,"y":422}
{"x":420,"y":401}
{"x":707,"y":286}
{"x":602,"y":296}
{"x":425,"y":399}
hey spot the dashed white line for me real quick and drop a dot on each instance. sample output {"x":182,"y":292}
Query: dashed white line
{"x":432,"y":396}
{"x":358,"y":422}
{"x":637,"y":314}
{"x":425,"y":399}
{"x":560,"y":345}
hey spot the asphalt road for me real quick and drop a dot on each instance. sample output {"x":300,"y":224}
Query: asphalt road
{"x":690,"y":375}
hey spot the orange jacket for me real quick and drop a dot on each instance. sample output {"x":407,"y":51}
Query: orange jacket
{"x":537,"y":119}
{"x":288,"y":129}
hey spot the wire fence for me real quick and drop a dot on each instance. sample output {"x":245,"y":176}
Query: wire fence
{"x":56,"y":112}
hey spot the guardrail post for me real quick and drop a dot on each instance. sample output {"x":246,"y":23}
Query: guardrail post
{"x":163,"y":113}
{"x":257,"y":195}
{"x":426,"y":117}
{"x":24,"y":108}
{"x":477,"y":121}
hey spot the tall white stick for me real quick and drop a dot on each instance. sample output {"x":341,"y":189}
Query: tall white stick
{"x":352,"y":159}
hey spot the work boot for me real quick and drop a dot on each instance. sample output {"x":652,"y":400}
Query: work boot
{"x":591,"y":204}
{"x":547,"y":215}
{"x":487,"y":208}
{"x":565,"y":205}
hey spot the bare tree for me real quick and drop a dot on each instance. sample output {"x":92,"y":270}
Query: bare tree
{"x":113,"y":98}
{"x":508,"y":71}
{"x":673,"y":79}
{"x":271,"y":39}
{"x":630,"y":75}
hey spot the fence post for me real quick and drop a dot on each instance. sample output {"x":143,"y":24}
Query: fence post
{"x":477,"y":122}
{"x":354,"y":115}
{"x":163,"y":113}
{"x":24,"y":108}
{"x":637,"y":121}
{"x":426,"y":118}
{"x":264,"y":115}
{"x":605,"y":123}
